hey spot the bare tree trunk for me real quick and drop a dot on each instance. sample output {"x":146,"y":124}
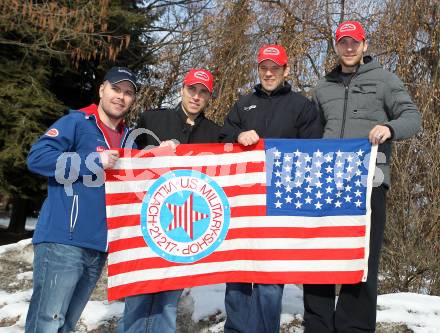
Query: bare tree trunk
{"x":18,"y":215}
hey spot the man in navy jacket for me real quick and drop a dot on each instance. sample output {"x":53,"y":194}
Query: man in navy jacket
{"x":70,"y":239}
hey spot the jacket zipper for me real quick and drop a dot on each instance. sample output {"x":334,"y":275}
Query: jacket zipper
{"x":75,"y":206}
{"x":344,"y":115}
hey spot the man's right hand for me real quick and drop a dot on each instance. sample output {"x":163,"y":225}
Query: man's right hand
{"x":109,"y":158}
{"x":248,"y":138}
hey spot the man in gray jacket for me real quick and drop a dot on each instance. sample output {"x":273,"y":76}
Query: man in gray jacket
{"x":359,"y":99}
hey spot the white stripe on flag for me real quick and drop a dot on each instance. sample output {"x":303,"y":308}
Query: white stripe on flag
{"x":223,"y":181}
{"x":189,"y":161}
{"x":237,"y":201}
{"x":262,"y":222}
{"x":257,"y":243}
{"x":238,"y":265}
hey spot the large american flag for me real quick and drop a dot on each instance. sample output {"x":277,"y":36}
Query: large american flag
{"x":282,"y":211}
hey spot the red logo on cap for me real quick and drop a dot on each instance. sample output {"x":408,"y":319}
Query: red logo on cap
{"x":100,"y":149}
{"x":53,"y":132}
{"x":201,"y":75}
{"x":347,"y":27}
{"x":271,"y":50}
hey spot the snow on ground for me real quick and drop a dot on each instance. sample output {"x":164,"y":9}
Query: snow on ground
{"x":30,"y":223}
{"x":420,"y":313}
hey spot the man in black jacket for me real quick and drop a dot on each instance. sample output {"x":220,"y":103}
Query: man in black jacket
{"x":273,"y":110}
{"x":156,"y":312}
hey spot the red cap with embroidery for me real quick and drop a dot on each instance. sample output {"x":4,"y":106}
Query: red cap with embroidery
{"x":273,"y":52}
{"x":201,"y":76}
{"x":351,"y":29}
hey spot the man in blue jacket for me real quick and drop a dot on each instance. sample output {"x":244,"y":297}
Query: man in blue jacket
{"x":70,"y":240}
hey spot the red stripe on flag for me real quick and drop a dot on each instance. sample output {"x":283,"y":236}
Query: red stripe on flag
{"x":115,"y":175}
{"x":137,"y":197}
{"x":124,"y":198}
{"x":123,"y":221}
{"x":232,"y":191}
{"x":126,"y":244}
{"x":150,"y":286}
{"x":248,"y":211}
{"x":292,"y":232}
{"x":199,"y":149}
{"x":269,"y":255}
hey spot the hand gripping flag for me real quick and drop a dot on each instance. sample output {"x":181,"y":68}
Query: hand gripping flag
{"x":283,"y":211}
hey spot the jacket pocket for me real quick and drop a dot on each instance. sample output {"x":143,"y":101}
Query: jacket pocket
{"x":365,"y":96}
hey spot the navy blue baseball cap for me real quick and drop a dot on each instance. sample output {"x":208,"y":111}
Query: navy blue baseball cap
{"x":119,"y":74}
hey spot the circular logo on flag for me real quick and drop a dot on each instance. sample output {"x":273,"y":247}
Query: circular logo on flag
{"x":185,"y":216}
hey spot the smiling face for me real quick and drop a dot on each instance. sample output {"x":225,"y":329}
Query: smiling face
{"x":115,"y":101}
{"x":271,"y":74}
{"x":350,"y":52}
{"x":195,"y":98}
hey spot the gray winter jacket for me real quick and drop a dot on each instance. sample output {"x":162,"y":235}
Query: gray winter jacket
{"x":373,"y":96}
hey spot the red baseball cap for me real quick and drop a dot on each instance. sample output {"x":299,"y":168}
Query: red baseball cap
{"x":351,"y":29}
{"x":201,"y":76}
{"x":273,"y":52}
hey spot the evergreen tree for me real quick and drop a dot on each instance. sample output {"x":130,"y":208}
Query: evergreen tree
{"x":53,"y":55}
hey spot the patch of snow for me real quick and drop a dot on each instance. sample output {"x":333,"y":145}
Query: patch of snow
{"x":421,"y":313}
{"x":30,"y":223}
{"x":25,"y":276}
{"x":15,"y":247}
{"x":97,"y":312}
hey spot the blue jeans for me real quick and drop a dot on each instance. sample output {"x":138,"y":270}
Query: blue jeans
{"x":64,"y":278}
{"x":150,"y":313}
{"x":254,"y":308}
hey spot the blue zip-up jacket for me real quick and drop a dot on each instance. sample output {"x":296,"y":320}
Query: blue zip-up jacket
{"x":73,"y":215}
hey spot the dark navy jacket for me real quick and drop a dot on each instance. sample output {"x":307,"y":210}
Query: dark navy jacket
{"x":73,"y":215}
{"x":282,"y":114}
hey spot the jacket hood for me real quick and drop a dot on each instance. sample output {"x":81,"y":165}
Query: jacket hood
{"x":368,"y":65}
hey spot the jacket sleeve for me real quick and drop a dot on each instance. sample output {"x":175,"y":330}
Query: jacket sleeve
{"x":232,"y":126}
{"x":48,"y":152}
{"x":405,"y":118}
{"x":309,"y":121}
{"x":44,"y":153}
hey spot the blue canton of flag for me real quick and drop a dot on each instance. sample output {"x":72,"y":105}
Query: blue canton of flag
{"x":317,"y":177}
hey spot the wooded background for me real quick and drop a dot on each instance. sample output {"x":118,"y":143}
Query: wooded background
{"x":53,"y":55}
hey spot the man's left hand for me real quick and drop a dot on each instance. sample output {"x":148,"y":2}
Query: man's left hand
{"x":379,"y":134}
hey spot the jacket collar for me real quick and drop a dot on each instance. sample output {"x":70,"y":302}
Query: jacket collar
{"x":281,"y":90}
{"x":369,"y":64}
{"x":184,"y":117}
{"x":92,"y":111}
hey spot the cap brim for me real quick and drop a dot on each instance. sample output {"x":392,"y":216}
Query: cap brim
{"x":195,"y":82}
{"x":117,"y":81}
{"x":278,"y":63}
{"x":355,"y":38}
